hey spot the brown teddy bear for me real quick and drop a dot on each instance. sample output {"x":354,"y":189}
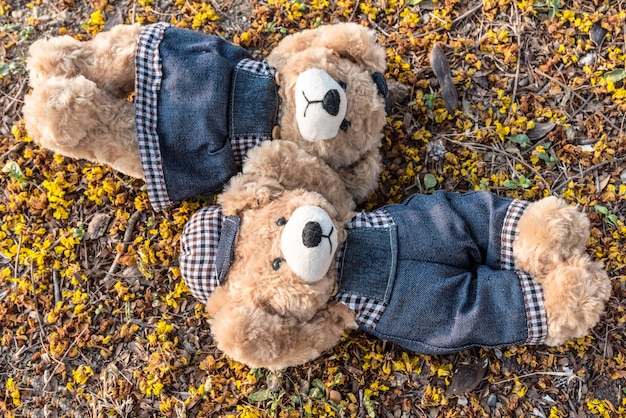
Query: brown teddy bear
{"x":285,"y":267}
{"x":200,"y":103}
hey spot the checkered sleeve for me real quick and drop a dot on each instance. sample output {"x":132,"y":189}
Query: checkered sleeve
{"x":148,"y":74}
{"x":198,"y":249}
{"x":532,"y":292}
{"x":509,"y":233}
{"x":536,"y":318}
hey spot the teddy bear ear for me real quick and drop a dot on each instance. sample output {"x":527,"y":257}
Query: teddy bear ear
{"x":348,"y":40}
{"x":242,"y":194}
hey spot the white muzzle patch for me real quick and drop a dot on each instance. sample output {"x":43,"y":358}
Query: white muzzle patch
{"x":321,"y":105}
{"x":309,"y":243}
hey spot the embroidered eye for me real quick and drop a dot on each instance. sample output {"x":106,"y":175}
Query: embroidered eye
{"x":277,"y":263}
{"x":342,"y":84}
{"x":281,"y":222}
{"x":345,"y":125}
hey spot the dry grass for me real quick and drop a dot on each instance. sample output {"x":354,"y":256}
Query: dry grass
{"x":95,"y":318}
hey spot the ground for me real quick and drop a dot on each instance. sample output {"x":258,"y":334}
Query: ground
{"x":96,"y":320}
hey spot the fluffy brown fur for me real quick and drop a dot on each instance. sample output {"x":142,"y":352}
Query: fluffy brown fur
{"x":271,"y":318}
{"x":78,"y":106}
{"x":260,"y":316}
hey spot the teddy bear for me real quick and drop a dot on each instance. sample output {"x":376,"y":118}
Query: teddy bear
{"x":200,"y":103}
{"x":285,"y":266}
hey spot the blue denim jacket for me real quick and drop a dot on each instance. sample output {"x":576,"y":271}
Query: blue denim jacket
{"x":435,"y":274}
{"x":200,"y":104}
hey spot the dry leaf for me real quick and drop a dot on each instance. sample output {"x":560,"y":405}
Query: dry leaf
{"x":467,"y":377}
{"x":540,"y":130}
{"x":441,"y":68}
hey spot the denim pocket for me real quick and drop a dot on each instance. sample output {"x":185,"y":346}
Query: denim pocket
{"x":253,"y":103}
{"x":368,"y":267}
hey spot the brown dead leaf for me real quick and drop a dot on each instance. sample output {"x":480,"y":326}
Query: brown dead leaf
{"x":467,"y":377}
{"x":441,"y":68}
{"x":540,"y":130}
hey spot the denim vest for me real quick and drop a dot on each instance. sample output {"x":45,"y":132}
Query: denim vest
{"x":434,"y":274}
{"x":200,"y":103}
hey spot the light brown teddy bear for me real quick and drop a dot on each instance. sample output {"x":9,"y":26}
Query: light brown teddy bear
{"x":285,"y":267}
{"x":201,"y":103}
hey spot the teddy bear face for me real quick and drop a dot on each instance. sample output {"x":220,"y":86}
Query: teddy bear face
{"x":284,"y":255}
{"x":334,"y":99}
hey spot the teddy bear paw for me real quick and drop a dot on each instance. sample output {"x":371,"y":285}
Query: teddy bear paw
{"x":575,"y":293}
{"x":550,"y":232}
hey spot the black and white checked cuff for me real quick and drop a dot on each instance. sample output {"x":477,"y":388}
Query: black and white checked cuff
{"x":536,"y":318}
{"x":148,"y":75}
{"x":509,"y":233}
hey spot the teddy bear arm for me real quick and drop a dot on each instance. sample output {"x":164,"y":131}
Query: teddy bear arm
{"x":575,"y":293}
{"x":257,"y":338}
{"x":550,"y":231}
{"x":73,"y":117}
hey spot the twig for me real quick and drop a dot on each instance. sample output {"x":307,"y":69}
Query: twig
{"x":519,"y":53}
{"x":509,"y":155}
{"x":32,"y":280}
{"x":63,"y":357}
{"x":130,"y":228}
{"x":557,"y":374}
{"x":56,"y":286}
{"x":16,"y":148}
{"x":454,"y":22}
{"x":588,"y":170}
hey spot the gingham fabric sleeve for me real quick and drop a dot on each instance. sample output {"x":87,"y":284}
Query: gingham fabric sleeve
{"x":198,"y":250}
{"x":509,"y":233}
{"x":148,"y":74}
{"x":536,"y":318}
{"x":368,"y":311}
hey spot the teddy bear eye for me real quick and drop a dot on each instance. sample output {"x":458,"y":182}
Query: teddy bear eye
{"x":276,"y":263}
{"x":281,"y":222}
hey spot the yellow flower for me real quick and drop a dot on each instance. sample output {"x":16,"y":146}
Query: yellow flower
{"x":82,"y":374}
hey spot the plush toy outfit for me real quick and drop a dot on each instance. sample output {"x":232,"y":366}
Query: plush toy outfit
{"x":434,"y":274}
{"x":200,"y":104}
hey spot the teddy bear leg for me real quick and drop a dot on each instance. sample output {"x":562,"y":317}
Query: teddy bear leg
{"x":107,"y":60}
{"x":575,"y":293}
{"x":73,"y":117}
{"x":550,"y":231}
{"x":113,"y":66}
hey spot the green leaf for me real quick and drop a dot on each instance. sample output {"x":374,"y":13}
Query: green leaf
{"x":612,"y":218}
{"x":259,"y":396}
{"x":510,"y":184}
{"x":521,"y":139}
{"x":549,"y":159}
{"x":14,"y":171}
{"x":5,"y":69}
{"x":429,"y":101}
{"x":602,"y":209}
{"x":616,"y":75}
{"x":430,"y":181}
{"x":523,"y":182}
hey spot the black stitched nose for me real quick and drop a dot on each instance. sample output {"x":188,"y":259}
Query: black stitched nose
{"x":312,"y":234}
{"x":331,"y":102}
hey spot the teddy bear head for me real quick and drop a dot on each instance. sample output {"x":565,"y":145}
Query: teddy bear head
{"x":264,"y":260}
{"x":334,"y":99}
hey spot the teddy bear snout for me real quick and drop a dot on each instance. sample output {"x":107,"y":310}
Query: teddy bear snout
{"x":321,"y":105}
{"x":309,"y":242}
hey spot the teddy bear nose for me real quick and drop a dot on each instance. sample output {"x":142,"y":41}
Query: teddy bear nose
{"x":312,"y":234}
{"x":331,"y":102}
